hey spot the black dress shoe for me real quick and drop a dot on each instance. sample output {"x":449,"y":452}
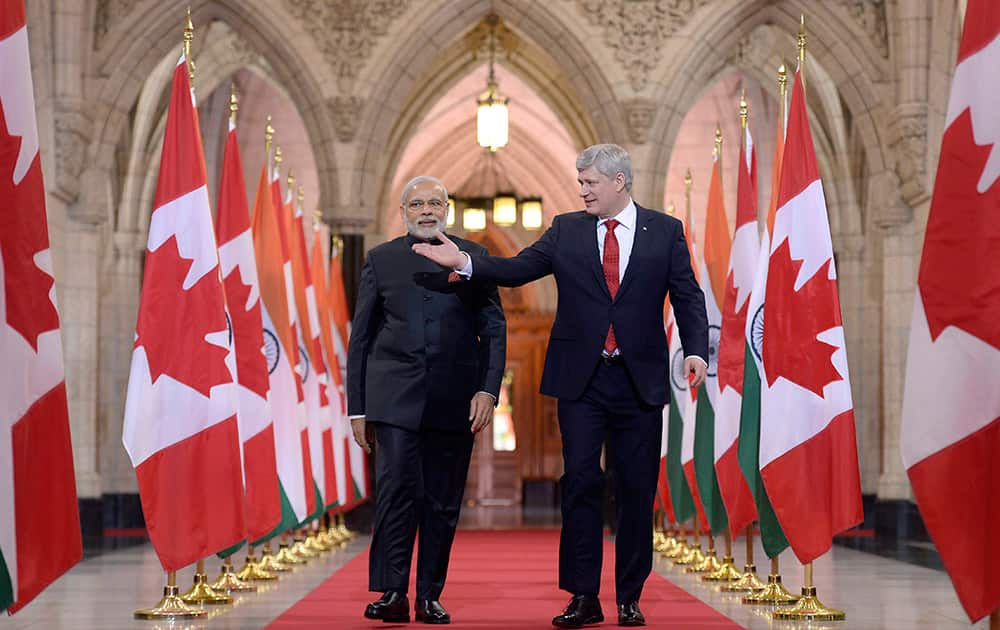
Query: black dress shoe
{"x":582,"y":610}
{"x":630,"y":615}
{"x":431,"y":611}
{"x":392,"y":607}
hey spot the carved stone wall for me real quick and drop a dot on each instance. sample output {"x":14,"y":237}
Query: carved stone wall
{"x":637,"y":29}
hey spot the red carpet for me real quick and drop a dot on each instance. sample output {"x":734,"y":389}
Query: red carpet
{"x":497,"y":579}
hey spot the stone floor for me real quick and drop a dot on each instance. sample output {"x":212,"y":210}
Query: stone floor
{"x":875,"y":591}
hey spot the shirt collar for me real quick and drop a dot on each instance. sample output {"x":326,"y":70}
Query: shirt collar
{"x":625,"y":218}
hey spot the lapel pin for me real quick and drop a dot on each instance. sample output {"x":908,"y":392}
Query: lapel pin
{"x":644,"y":228}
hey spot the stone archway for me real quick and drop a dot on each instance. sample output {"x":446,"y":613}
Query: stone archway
{"x":412,"y":75}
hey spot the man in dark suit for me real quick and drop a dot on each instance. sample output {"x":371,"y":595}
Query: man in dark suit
{"x":424,"y":365}
{"x":607,"y":363}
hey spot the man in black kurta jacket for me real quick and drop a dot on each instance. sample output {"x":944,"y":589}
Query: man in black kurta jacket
{"x":424,"y":365}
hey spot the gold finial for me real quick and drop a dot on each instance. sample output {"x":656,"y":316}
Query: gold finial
{"x":277,"y":155}
{"x":234,"y":103}
{"x":291,"y":178}
{"x":337,"y":245}
{"x":671,"y":209}
{"x":800,"y":42}
{"x":268,"y":136}
{"x":188,"y":38}
{"x":717,"y":150}
{"x":301,"y":194}
{"x":688,"y":184}
{"x":744,"y":109}
{"x":782,"y":80}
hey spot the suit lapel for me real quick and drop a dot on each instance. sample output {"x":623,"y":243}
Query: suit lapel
{"x":589,"y":235}
{"x":639,"y":243}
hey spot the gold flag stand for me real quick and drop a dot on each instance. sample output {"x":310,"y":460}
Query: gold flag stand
{"x":300,"y":548}
{"x":694,"y":556}
{"x":228,"y":582}
{"x":270,"y":563}
{"x":171,"y":607}
{"x":316,"y":541}
{"x":332,"y":535}
{"x":285,"y":554}
{"x":252,"y":571}
{"x":774,"y":592}
{"x":342,"y":528}
{"x":809,"y":608}
{"x":748,"y":582}
{"x":660,"y":543}
{"x":727,"y":572}
{"x":680,"y":543}
{"x":711,"y":562}
{"x":201,"y":592}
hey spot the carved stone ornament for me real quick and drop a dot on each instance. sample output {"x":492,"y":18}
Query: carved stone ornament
{"x":71,"y":134}
{"x":345,"y":111}
{"x":107,"y":14}
{"x":908,"y":141}
{"x":640,"y":114}
{"x":888,"y":209}
{"x":636,"y":29}
{"x":870,"y":14}
{"x":346,"y":30}
{"x":756,"y":47}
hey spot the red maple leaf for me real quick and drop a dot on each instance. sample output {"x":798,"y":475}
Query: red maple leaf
{"x":731,"y":343}
{"x":248,"y":331}
{"x":960,"y":270}
{"x":23,"y":234}
{"x":173,"y":322}
{"x":793,"y":320}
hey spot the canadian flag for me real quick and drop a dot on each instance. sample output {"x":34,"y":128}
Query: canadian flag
{"x":739,"y":281}
{"x":239,"y":271}
{"x":808,"y":449}
{"x":180,"y":409}
{"x":315,"y":377}
{"x":39,"y":521}
{"x":951,"y":406}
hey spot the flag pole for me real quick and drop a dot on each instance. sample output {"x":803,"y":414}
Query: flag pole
{"x":727,"y":571}
{"x":748,"y":581}
{"x":808,"y":608}
{"x":171,"y":606}
{"x":710,"y":564}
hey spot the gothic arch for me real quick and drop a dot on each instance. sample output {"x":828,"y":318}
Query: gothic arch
{"x":139,"y":43}
{"x":856,"y":77}
{"x":412,"y":76}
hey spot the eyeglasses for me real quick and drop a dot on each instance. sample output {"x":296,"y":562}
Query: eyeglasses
{"x":418,"y":204}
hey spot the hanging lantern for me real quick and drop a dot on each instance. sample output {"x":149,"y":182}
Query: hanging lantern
{"x":492,"y":121}
{"x":474,"y":215}
{"x":531,"y":214}
{"x":451,"y":212}
{"x":505,"y":209}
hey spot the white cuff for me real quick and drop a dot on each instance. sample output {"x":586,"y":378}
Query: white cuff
{"x":466,"y":269}
{"x":695,"y":356}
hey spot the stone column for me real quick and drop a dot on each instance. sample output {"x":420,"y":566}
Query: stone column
{"x":900,"y":258}
{"x":119,"y":309}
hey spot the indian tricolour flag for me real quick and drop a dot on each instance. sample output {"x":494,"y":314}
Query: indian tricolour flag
{"x":712,"y":276}
{"x":39,"y":521}
{"x":285,"y":395}
{"x":951,"y":406}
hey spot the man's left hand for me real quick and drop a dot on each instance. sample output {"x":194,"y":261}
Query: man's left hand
{"x":480,"y":411}
{"x":696,"y":368}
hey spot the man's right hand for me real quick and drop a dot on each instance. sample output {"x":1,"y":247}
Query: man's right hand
{"x":446,"y":254}
{"x":364,"y":434}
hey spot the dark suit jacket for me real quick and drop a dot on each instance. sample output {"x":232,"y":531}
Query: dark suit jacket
{"x":659,"y":263}
{"x":420,"y":346}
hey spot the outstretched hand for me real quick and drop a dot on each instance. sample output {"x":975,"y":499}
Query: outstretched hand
{"x":446,"y":254}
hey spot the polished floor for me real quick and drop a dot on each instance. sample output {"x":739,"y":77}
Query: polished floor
{"x":875,"y":591}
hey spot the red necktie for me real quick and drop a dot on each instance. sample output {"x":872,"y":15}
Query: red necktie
{"x":610,"y":264}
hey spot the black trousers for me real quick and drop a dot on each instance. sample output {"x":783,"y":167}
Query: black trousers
{"x":419,"y":482}
{"x":610,"y":409}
